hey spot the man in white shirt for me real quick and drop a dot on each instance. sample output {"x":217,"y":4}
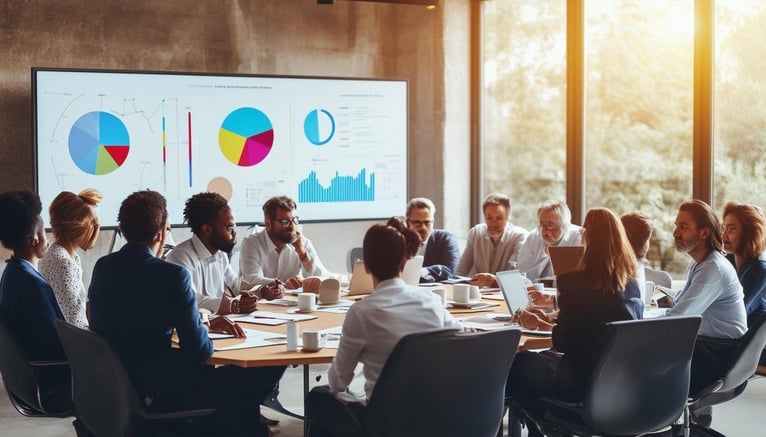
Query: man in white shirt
{"x":279,"y":252}
{"x":205,"y":255}
{"x":554,"y":229}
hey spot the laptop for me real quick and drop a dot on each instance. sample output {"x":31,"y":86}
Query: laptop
{"x":565,"y":259}
{"x":361,"y":281}
{"x":515,"y":294}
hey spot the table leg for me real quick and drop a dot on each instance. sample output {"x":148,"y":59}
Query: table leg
{"x":305,"y":399}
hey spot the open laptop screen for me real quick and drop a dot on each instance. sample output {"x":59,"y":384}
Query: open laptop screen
{"x":512,"y":286}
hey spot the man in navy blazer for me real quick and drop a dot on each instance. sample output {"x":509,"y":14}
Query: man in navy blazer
{"x":138,"y":299}
{"x":439,"y":248}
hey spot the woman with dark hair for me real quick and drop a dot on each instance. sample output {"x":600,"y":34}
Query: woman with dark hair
{"x":75,"y":226}
{"x":603,"y":290}
{"x":26,"y":299}
{"x":744,"y":240}
{"x":374,"y":325}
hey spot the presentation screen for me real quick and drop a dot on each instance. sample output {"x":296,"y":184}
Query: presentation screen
{"x":337,"y":146}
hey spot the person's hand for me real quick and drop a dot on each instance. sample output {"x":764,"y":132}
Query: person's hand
{"x":275,"y":290}
{"x":223,"y":325}
{"x":484,"y":280}
{"x":299,"y":246}
{"x":294,"y":282}
{"x":245,"y":303}
{"x":532,"y":320}
{"x":312,"y":284}
{"x":538,"y":299}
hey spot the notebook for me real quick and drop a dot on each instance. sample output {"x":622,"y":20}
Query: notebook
{"x":565,"y":259}
{"x":515,"y":293}
{"x":361,"y":281}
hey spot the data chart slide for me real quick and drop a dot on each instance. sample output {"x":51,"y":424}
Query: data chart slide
{"x":337,"y":146}
{"x":98,"y":143}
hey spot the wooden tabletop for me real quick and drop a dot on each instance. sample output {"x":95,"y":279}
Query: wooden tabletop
{"x":277,"y":355}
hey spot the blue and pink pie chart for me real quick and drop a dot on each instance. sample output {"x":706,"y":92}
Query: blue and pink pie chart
{"x":99,"y":143}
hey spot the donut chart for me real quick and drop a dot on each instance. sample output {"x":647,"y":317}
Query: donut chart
{"x":319,"y":127}
{"x":246,"y":137}
{"x":99,"y":143}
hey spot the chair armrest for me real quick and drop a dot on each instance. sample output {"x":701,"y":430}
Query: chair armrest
{"x":569,"y":406}
{"x":48,"y":363}
{"x":180,"y":414}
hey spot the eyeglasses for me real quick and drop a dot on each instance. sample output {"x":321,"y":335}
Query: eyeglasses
{"x":286,"y":222}
{"x":420,"y":222}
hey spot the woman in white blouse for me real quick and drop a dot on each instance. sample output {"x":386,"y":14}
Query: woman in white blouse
{"x":75,"y":225}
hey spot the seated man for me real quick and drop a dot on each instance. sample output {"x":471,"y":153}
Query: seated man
{"x":639,"y":227}
{"x":439,"y":248}
{"x":205,"y":255}
{"x":492,"y":245}
{"x":137,"y":300}
{"x":712,"y":290}
{"x":374,"y":325}
{"x":279,"y":252}
{"x":554,"y":229}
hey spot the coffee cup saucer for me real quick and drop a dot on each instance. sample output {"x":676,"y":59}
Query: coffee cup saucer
{"x":463,"y":304}
{"x":300,"y":311}
{"x":305,"y":349}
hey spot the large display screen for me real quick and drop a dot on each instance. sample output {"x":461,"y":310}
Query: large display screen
{"x":338,"y":147}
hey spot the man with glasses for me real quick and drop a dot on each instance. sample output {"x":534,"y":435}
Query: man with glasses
{"x":206,"y":256}
{"x":554,"y":229}
{"x":279,"y":252}
{"x":439,"y":247}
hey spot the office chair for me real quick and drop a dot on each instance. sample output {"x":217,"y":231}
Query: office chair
{"x":743,"y":367}
{"x":442,"y":382}
{"x":105,"y":400}
{"x":639,"y":385}
{"x":354,"y":254}
{"x":21,"y":378}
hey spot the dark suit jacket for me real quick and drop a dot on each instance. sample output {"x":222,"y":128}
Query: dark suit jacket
{"x":441,"y":257}
{"x":583,"y":312}
{"x":136,"y":300}
{"x":30,"y":309}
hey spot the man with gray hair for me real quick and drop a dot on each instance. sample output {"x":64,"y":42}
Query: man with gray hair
{"x":439,"y":247}
{"x":554,"y":229}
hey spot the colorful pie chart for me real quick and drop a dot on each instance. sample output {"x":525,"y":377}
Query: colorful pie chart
{"x":99,"y":143}
{"x":246,"y":137}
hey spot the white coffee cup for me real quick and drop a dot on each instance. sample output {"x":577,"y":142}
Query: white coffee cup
{"x":475,"y":293}
{"x":307,"y":301}
{"x":648,"y":293}
{"x":442,"y":293}
{"x":329,"y":291}
{"x":461,"y":293}
{"x":313,"y":339}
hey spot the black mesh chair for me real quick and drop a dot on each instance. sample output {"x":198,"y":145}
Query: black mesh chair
{"x":106,"y":402}
{"x":442,"y":382}
{"x":21,"y":378}
{"x":640,"y":383}
{"x":742,"y":368}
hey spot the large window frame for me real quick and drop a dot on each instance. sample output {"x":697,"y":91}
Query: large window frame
{"x":702,"y":171}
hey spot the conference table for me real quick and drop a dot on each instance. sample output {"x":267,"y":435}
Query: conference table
{"x":278,"y":355}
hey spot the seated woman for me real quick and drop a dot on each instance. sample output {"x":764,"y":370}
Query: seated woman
{"x":75,"y":225}
{"x":603,"y":290}
{"x":374,"y":325}
{"x":744,"y":240}
{"x":26,"y":300}
{"x":493,"y":244}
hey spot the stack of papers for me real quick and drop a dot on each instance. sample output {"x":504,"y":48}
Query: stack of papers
{"x":271,"y":319}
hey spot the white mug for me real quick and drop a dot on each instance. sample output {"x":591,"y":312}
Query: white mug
{"x":314,"y":339}
{"x":442,"y":293}
{"x":307,"y":301}
{"x":475,"y":293}
{"x":648,"y":293}
{"x":461,"y":293}
{"x":329,"y":291}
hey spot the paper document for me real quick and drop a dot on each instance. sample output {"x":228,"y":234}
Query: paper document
{"x":268,"y":315}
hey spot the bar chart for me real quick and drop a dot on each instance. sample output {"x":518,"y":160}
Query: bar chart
{"x":340,"y":189}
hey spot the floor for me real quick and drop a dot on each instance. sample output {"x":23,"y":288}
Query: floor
{"x":742,"y":417}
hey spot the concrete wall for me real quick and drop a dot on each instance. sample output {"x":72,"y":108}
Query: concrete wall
{"x":290,"y":37}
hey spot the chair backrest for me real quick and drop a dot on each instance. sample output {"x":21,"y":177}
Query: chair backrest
{"x":641,"y":379}
{"x":443,"y":382}
{"x":354,"y":254}
{"x":104,"y":397}
{"x":19,"y":377}
{"x":745,"y":361}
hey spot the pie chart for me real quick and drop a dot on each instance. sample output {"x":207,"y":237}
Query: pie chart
{"x":319,"y":127}
{"x":246,"y":137}
{"x":99,"y":143}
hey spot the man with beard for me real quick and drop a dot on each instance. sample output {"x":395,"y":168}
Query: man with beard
{"x":554,"y":229}
{"x":279,"y":252}
{"x":439,"y":247}
{"x":205,"y":255}
{"x":713,"y":291}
